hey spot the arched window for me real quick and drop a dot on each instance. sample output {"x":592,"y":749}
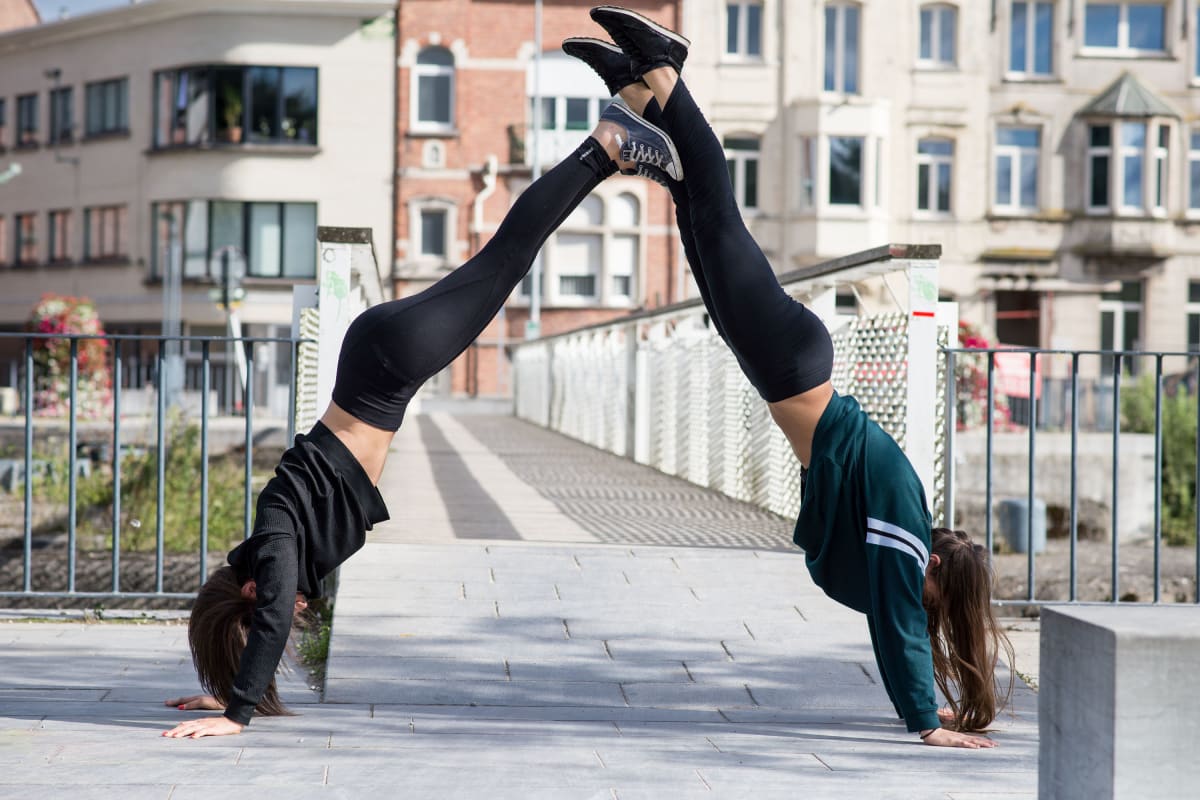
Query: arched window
{"x":433,"y":90}
{"x":841,"y":47}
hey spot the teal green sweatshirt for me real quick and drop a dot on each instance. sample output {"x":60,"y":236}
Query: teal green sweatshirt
{"x":865,"y":528}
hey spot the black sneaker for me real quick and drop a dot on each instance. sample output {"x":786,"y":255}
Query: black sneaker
{"x":606,"y":59}
{"x":648,"y":44}
{"x":643,"y":143}
{"x":653,"y":173}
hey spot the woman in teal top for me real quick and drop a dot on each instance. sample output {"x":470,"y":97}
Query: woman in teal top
{"x":864,"y":524}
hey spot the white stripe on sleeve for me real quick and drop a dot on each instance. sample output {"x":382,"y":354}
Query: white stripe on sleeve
{"x":889,"y":535}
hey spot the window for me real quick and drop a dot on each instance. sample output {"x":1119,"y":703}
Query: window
{"x":938,"y":33}
{"x":577,"y":251}
{"x":841,"y":48}
{"x":741,"y":154}
{"x":935,"y":161}
{"x":106,"y":107}
{"x":59,"y":227}
{"x":743,"y":29}
{"x":1017,"y":152}
{"x":1193,"y":317}
{"x":1160,"y":168}
{"x":1127,"y":27}
{"x":25,"y":242}
{"x":808,"y":172}
{"x":1121,"y":325}
{"x":1194,"y":171}
{"x":233,"y":105}
{"x":845,"y":170}
{"x":104,"y":232}
{"x":1099,"y":158}
{"x":27,"y":120}
{"x":433,"y":88}
{"x":622,"y":253}
{"x":1132,"y":159}
{"x":433,"y":232}
{"x":61,"y":117}
{"x":569,"y":113}
{"x":1031,"y":39}
{"x":278,"y":240}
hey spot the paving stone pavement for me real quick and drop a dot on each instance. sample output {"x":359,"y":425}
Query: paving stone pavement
{"x":516,"y":665}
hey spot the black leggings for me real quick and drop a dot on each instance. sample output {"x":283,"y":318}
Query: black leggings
{"x":782,"y":346}
{"x":394,"y":347}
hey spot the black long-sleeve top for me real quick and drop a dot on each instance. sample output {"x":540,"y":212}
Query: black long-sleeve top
{"x":310,"y":517}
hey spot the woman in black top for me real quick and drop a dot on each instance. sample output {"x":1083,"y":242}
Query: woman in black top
{"x":315,"y":512}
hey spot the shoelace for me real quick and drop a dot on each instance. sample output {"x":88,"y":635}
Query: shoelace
{"x":643,"y":153}
{"x":656,"y":175}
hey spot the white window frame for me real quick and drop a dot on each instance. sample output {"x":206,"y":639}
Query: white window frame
{"x":416,"y":243}
{"x":431,"y":70}
{"x":863,"y":193}
{"x":932,"y":162}
{"x":743,"y":37}
{"x":1191,"y":311}
{"x":608,"y":295}
{"x":740,"y":159}
{"x":840,"y":8}
{"x":1100,"y":150}
{"x":1017,"y":156}
{"x":1118,"y":308}
{"x":937,"y":14}
{"x":1193,"y":161}
{"x":1028,"y":71}
{"x":810,"y":181}
{"x":1124,"y":151}
{"x":1122,"y":48}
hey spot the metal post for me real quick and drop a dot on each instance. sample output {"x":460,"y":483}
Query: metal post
{"x":951,"y":422}
{"x":116,"y":468}
{"x":1158,"y":475}
{"x":533,"y":327}
{"x":1116,"y":458}
{"x":991,"y":425}
{"x":161,"y":451}
{"x":248,"y":405}
{"x":72,"y":463}
{"x":1032,"y":477}
{"x":1074,"y":523}
{"x":29,"y":400}
{"x":204,"y":388}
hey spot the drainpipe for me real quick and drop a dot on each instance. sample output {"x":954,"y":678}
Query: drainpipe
{"x":491,"y":165}
{"x":784,"y":112}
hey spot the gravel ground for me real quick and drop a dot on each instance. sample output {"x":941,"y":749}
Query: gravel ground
{"x":1135,"y":575}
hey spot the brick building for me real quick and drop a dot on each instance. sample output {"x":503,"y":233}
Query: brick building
{"x":466,"y":148}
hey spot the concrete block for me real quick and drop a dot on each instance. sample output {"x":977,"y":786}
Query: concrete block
{"x":1119,"y":713}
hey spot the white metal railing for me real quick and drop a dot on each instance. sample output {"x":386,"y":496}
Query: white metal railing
{"x":662,"y":388}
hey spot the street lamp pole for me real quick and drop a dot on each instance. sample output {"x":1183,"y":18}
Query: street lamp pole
{"x":533,"y":328}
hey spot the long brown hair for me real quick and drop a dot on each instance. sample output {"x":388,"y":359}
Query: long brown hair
{"x":217,"y":632}
{"x":963,"y":631}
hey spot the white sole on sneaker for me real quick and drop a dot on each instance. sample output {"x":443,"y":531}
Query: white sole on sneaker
{"x":649,"y":23}
{"x":670,"y":144}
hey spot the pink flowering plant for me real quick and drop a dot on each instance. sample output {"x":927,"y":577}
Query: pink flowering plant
{"x":970,"y":381}
{"x":52,"y":358}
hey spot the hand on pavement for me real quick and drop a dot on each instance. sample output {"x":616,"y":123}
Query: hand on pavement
{"x":196,"y":702}
{"x":944,"y":737}
{"x":205,"y":726}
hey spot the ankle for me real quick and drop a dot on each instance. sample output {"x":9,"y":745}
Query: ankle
{"x":607,"y":134}
{"x":661,"y":82}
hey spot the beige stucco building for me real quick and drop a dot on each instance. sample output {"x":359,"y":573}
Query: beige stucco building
{"x":161,"y":135}
{"x":1052,"y":148}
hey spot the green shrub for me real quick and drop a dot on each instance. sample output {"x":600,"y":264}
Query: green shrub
{"x":1178,"y":452}
{"x":139,"y":497}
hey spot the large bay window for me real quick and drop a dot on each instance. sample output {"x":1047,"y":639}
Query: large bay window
{"x":1127,"y":166}
{"x":231,"y":105}
{"x":275,"y":240}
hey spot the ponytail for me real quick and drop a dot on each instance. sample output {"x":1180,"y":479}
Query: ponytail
{"x":965,"y":636}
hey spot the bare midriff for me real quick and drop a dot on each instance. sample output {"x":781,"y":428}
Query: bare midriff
{"x":798,"y":415}
{"x":368,"y":443}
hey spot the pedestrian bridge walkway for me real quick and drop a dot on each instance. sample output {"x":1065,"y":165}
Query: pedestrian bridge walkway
{"x":539,"y":619}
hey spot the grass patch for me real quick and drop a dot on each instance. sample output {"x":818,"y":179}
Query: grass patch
{"x":313,"y":645}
